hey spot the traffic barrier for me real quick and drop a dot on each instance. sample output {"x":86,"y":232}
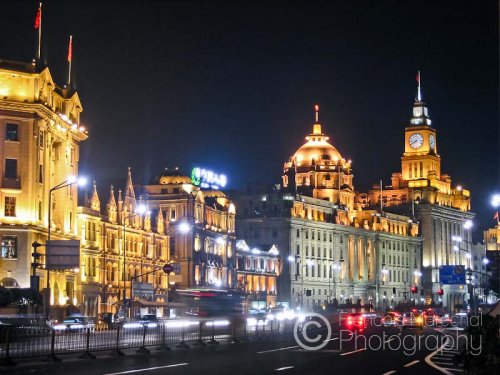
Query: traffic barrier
{"x":44,"y":341}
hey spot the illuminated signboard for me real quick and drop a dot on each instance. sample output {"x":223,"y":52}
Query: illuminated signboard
{"x":208,"y":179}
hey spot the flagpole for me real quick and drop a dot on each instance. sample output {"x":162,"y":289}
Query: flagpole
{"x":70,"y":57}
{"x":381,"y":196}
{"x":39,"y":34}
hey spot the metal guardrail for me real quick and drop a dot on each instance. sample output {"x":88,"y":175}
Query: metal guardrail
{"x":40,"y":341}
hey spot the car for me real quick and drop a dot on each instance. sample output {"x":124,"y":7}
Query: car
{"x":442,"y":320}
{"x":428,"y":316}
{"x":392,"y":318}
{"x":148,"y":320}
{"x":412,"y":319}
{"x":74,"y":323}
{"x":196,"y":311}
{"x":353,"y":322}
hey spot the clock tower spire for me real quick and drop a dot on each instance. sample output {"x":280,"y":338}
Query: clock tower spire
{"x":420,"y":156}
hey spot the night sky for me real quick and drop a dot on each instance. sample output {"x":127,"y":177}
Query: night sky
{"x":231,"y":85}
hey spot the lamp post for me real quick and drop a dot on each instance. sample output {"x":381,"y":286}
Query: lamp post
{"x":139,"y":211}
{"x":69,"y":182}
{"x":495,"y":202}
{"x":308,"y":262}
{"x":486,"y":261}
{"x":385,"y":272}
{"x":335,"y":268}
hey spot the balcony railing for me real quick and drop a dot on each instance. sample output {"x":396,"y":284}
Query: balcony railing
{"x":11,"y":183}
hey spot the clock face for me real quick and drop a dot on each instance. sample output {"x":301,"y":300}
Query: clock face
{"x":432,"y":141}
{"x":416,"y":140}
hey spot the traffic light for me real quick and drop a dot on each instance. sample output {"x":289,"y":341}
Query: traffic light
{"x":36,"y":255}
{"x":440,"y":292}
{"x":414,"y":289}
{"x":34,"y":278}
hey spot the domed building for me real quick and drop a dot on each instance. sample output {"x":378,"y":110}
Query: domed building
{"x":317,"y":169}
{"x":333,"y":252}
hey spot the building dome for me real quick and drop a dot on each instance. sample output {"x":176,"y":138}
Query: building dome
{"x":171,"y":176}
{"x":317,"y":150}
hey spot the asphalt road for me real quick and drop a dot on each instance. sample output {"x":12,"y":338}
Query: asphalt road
{"x":343,"y":353}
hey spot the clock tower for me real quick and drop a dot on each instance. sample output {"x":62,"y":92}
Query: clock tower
{"x":420,"y":157}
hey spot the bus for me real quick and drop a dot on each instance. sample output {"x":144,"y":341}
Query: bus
{"x":212,"y":302}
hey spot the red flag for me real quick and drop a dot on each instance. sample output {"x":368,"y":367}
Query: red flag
{"x":496,"y":216}
{"x":418,"y":77}
{"x":38,"y":18}
{"x":70,"y":48}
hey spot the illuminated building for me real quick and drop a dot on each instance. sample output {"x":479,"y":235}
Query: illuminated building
{"x":257,"y":271}
{"x":104,"y":238}
{"x":422,"y":191}
{"x":201,"y":228}
{"x":492,"y":239}
{"x":492,"y":243}
{"x":40,"y":135}
{"x":330,"y":248}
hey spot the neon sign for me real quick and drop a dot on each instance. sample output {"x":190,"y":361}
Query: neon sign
{"x":208,"y":179}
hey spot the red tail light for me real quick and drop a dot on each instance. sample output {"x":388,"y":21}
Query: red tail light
{"x":360,"y":320}
{"x":350,"y":321}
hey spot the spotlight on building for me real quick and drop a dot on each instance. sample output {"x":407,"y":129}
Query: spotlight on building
{"x":184,"y":227}
{"x":468,"y":224}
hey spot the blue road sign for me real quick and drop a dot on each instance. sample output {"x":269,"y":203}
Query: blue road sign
{"x":452,"y":275}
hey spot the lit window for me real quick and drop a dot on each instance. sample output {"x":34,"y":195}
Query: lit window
{"x":10,"y":168}
{"x":11,"y":133}
{"x":10,"y":206}
{"x":9,"y":247}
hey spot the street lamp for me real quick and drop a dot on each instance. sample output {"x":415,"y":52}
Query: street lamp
{"x":495,"y":200}
{"x":141,"y":209}
{"x":335,"y":268}
{"x":71,"y":180}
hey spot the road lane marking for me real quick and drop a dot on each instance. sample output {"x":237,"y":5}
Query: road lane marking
{"x":354,"y":351}
{"x":284,"y":368}
{"x":335,"y":338}
{"x":148,"y":369}
{"x":411,"y":363}
{"x":278,"y":350}
{"x":429,"y":361}
{"x":389,"y":372}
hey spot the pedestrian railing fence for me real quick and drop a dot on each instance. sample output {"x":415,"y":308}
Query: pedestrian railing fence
{"x":40,"y":341}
